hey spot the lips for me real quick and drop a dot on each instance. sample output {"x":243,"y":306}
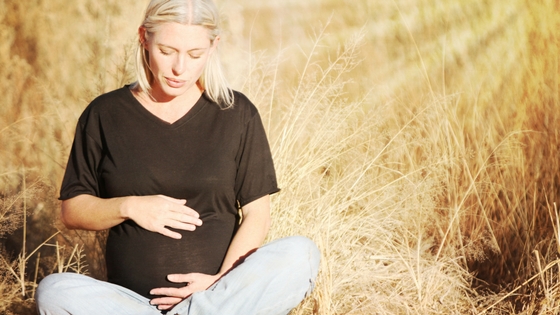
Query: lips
{"x":174,"y":83}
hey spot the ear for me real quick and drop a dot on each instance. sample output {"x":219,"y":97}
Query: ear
{"x":142,"y":36}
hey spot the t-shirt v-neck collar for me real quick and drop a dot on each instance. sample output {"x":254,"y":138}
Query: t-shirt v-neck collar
{"x":150,"y":116}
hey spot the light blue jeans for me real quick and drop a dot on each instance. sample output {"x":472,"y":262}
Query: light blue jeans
{"x":272,"y":280}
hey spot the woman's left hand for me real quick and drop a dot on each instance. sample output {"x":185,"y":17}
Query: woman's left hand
{"x":172,"y":296}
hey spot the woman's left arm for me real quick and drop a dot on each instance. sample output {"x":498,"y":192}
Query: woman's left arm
{"x":251,"y":233}
{"x":250,"y":236}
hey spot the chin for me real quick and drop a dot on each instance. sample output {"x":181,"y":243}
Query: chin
{"x":167,"y":91}
{"x":174,"y":92}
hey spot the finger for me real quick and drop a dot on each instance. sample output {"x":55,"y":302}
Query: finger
{"x":191,"y":212}
{"x":167,"y":293}
{"x":174,"y":200}
{"x":184,"y":210}
{"x":181,"y":226}
{"x":181,"y":278}
{"x":176,"y":223}
{"x":169,"y":233}
{"x":165,"y":307}
{"x":186,"y":219}
{"x":165,"y":301}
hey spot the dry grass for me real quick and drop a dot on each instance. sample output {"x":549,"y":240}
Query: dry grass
{"x":415,"y":141}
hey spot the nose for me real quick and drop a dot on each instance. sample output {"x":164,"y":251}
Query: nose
{"x":179,"y":65}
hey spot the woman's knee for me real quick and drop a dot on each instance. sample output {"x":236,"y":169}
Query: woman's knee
{"x":55,"y":286}
{"x":301,"y":262}
{"x":49,"y":291}
{"x":301,"y":246}
{"x":297,"y":251}
{"x":49,"y":284}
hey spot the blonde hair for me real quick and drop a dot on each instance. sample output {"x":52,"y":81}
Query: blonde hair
{"x":187,"y":12}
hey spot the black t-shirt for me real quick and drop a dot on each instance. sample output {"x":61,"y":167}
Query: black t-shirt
{"x":217,"y":159}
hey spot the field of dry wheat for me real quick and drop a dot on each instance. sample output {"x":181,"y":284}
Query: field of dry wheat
{"x":415,"y":141}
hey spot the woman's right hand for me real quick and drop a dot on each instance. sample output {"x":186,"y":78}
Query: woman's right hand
{"x":158,"y":213}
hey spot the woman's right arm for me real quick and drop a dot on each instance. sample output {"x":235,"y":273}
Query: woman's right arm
{"x":154,"y":213}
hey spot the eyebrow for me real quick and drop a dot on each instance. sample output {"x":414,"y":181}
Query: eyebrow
{"x":173,"y":48}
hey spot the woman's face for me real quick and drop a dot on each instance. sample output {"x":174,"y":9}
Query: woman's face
{"x":177,"y":56}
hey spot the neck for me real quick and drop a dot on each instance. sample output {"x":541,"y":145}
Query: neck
{"x":169,"y":108}
{"x":157,"y":96}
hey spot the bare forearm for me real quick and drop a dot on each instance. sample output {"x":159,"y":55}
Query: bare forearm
{"x":156,"y":213}
{"x":92,"y":213}
{"x":251,"y":233}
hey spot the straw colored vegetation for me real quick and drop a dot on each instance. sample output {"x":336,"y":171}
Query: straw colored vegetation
{"x":415,"y":141}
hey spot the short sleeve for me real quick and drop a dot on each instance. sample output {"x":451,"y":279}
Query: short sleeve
{"x":81,"y":176}
{"x":256,"y":176}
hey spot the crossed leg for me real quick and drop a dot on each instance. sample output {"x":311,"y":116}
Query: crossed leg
{"x":272,"y":280}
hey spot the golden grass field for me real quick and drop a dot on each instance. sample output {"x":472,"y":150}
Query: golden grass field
{"x":415,"y":141}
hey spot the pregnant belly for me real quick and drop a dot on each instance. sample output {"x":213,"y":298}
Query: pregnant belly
{"x":141,"y":260}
